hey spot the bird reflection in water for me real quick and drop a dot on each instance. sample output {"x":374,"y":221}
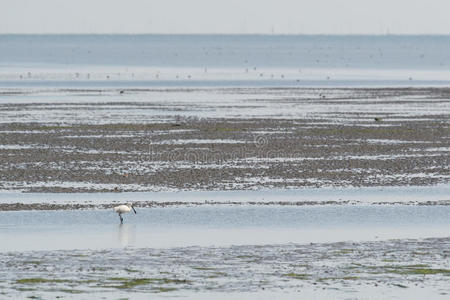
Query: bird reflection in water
{"x":126,"y":234}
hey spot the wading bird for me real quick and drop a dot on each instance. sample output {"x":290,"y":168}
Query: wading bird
{"x":123,"y":209}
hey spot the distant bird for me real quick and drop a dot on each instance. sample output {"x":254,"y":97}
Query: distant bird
{"x":123,"y":209}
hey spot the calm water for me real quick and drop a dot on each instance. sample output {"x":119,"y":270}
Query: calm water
{"x":152,"y":60}
{"x":360,"y":195}
{"x":218,"y":226}
{"x":397,"y":52}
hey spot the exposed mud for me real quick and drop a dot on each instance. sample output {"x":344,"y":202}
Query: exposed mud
{"x":257,"y":138}
{"x":49,"y":206}
{"x":339,"y":267}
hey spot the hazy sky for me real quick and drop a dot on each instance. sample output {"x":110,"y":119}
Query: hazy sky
{"x":226,"y":16}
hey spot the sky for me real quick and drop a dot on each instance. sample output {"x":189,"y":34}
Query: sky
{"x":226,"y":16}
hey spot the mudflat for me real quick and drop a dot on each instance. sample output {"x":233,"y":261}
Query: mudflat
{"x":109,"y":140}
{"x":401,"y":268}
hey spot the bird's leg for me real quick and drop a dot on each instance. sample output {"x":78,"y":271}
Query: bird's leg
{"x":121,"y":219}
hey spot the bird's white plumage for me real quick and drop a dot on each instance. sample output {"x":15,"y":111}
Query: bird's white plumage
{"x":122,"y":209}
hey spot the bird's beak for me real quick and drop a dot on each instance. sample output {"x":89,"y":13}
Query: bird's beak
{"x":133,"y":209}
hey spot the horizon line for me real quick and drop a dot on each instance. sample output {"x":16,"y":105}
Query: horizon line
{"x":231,"y":34}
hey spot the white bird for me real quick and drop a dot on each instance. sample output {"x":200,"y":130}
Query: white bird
{"x":123,"y":209}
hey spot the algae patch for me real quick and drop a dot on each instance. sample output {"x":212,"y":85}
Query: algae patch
{"x":127,"y":283}
{"x":419,"y":271}
{"x":296,"y":275}
{"x":40,"y":280}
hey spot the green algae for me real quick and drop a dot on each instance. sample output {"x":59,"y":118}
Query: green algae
{"x":127,"y":283}
{"x":296,"y":275}
{"x":40,"y":280}
{"x":204,"y":268}
{"x":419,"y":271}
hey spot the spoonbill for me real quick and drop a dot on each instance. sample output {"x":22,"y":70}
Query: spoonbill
{"x":123,"y":209}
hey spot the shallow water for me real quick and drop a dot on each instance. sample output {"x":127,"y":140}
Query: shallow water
{"x":360,"y":195}
{"x":227,"y":50}
{"x":89,"y":105}
{"x":222,"y":60}
{"x":218,"y":226}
